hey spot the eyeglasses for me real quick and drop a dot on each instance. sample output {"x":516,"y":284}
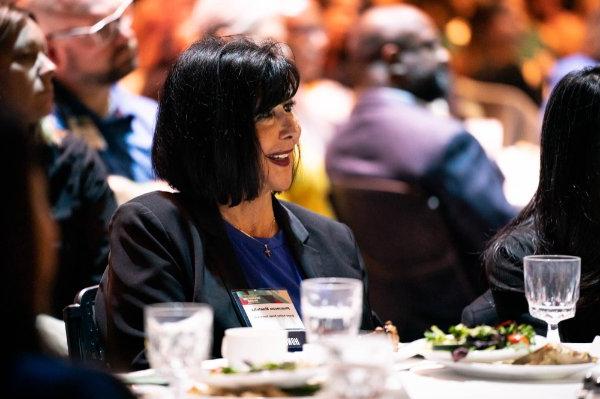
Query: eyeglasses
{"x":103,"y":31}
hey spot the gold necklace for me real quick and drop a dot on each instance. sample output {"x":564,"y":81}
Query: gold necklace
{"x":267,"y":251}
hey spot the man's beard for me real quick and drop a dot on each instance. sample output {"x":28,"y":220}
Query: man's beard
{"x":432,"y":86}
{"x":113,"y":73}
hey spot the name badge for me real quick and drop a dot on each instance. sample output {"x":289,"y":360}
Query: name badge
{"x":271,"y":308}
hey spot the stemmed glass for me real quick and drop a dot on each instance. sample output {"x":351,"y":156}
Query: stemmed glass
{"x":178,"y":340}
{"x":552,"y":289}
{"x":331,"y":307}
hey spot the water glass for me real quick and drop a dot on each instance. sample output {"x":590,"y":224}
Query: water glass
{"x":178,"y":340}
{"x":552,"y":289}
{"x":361,"y":367}
{"x":331,"y":307}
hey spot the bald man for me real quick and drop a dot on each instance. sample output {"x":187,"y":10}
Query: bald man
{"x":399,"y":65}
{"x":93,"y":46}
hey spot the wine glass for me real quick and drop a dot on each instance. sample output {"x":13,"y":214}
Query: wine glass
{"x":178,"y":340}
{"x":552,"y":289}
{"x":331,"y":307}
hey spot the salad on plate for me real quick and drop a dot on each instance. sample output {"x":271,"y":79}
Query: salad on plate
{"x":484,"y":343}
{"x":298,"y":374}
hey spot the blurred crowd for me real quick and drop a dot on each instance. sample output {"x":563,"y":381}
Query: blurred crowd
{"x":469,"y":81}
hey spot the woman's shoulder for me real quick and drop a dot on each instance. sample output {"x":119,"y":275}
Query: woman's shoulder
{"x":155,"y":200}
{"x":509,"y":247}
{"x":163,"y":206}
{"x":318,"y":224}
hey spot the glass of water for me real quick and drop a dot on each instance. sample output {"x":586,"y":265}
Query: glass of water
{"x":552,"y":289}
{"x":331,"y":307}
{"x":178,"y":340}
{"x":361,"y":368}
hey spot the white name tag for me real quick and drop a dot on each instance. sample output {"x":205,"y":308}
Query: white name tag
{"x":268,"y":308}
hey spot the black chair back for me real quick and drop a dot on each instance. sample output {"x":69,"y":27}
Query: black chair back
{"x":83,"y":335}
{"x":416,"y":278}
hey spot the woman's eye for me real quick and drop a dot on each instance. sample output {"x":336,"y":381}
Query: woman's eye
{"x":264,"y":115}
{"x":287,"y":107}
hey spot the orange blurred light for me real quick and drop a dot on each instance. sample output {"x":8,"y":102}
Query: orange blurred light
{"x":458,"y":32}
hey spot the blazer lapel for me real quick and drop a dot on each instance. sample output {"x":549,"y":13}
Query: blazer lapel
{"x":219,"y":253}
{"x":309,"y":258}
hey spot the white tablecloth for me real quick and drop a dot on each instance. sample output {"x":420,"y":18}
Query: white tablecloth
{"x":416,"y":378}
{"x":428,"y":380}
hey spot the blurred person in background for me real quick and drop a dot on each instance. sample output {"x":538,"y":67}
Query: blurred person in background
{"x":27,"y":237}
{"x":161,"y":38}
{"x":588,"y":56}
{"x":564,"y":215}
{"x":28,"y":234}
{"x":81,"y":200}
{"x":93,"y":46}
{"x":321,"y":104}
{"x":226,"y":139}
{"x":259,"y":19}
{"x":339,"y":16}
{"x":560,"y":29}
{"x":400,"y":65}
{"x":495,"y":51}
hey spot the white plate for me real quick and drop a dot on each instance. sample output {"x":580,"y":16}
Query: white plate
{"x":517,"y":372}
{"x":143,"y":377}
{"x":474,"y":356}
{"x":279,"y":378}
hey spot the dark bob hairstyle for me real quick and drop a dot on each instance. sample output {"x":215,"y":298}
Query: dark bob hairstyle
{"x":205,"y":143}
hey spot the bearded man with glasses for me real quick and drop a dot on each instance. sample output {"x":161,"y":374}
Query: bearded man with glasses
{"x":93,"y":46}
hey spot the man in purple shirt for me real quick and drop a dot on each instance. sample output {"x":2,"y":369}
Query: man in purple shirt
{"x":400,"y":66}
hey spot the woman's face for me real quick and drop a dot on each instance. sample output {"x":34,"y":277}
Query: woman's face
{"x":27,"y":85}
{"x":278,"y":133}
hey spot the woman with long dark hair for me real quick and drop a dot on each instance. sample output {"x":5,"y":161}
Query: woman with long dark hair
{"x":27,"y":264}
{"x":81,"y":200}
{"x":564,"y":215}
{"x":225,"y":139}
{"x":28,"y":233}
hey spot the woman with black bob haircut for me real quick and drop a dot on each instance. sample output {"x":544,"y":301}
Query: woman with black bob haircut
{"x":563,"y":216}
{"x":225,"y":139}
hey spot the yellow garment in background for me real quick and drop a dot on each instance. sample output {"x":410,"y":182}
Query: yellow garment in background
{"x":310,"y":188}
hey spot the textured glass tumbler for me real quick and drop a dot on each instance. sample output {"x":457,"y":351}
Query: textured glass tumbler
{"x":331,"y":307}
{"x":552,"y":289}
{"x":178,"y":340}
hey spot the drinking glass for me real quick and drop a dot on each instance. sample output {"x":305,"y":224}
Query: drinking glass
{"x":552,"y":289}
{"x":361,"y":368}
{"x":331,"y":307}
{"x":178,"y":340}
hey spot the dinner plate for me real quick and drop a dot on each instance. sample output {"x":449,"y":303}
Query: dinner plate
{"x":143,"y":377}
{"x":477,"y":356}
{"x":279,"y":378}
{"x":517,"y":372}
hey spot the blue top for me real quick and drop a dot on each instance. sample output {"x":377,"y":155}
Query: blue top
{"x":277,"y":271}
{"x":123,"y":139}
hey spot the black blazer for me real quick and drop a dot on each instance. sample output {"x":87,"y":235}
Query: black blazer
{"x":165,"y":247}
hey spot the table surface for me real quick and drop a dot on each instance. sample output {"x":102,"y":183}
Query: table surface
{"x":417,"y":378}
